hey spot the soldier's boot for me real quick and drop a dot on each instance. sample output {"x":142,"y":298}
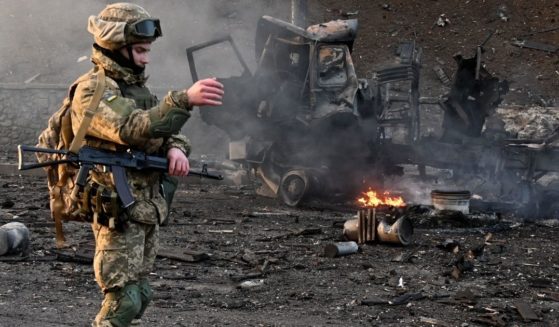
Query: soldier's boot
{"x":147,"y":294}
{"x":120,"y":307}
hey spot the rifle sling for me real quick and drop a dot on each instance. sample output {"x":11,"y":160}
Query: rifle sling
{"x":90,"y":111}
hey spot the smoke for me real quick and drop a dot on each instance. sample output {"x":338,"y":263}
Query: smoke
{"x":41,"y":37}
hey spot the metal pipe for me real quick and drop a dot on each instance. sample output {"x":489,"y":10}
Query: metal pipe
{"x":299,"y":13}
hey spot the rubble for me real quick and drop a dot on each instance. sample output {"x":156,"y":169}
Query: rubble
{"x":442,"y":21}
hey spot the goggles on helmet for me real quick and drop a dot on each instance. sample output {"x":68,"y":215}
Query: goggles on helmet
{"x":146,"y":28}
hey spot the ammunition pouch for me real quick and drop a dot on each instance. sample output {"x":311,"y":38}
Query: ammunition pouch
{"x":101,"y":205}
{"x":168,"y":121}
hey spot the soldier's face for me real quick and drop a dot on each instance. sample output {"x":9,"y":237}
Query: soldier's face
{"x":140,"y":52}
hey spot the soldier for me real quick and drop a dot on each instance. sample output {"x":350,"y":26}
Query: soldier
{"x":129,"y":116}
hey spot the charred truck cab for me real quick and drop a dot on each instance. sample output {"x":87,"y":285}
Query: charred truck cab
{"x":302,"y":113}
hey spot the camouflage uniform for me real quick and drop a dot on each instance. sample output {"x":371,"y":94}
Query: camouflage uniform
{"x":125,"y":118}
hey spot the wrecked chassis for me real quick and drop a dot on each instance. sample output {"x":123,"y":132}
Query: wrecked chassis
{"x":309,"y":128}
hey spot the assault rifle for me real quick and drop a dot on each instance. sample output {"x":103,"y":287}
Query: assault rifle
{"x":116,"y":162}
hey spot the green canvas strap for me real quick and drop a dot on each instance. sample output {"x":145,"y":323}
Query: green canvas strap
{"x":90,"y":111}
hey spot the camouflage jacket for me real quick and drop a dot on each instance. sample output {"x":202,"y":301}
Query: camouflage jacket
{"x":121,"y":123}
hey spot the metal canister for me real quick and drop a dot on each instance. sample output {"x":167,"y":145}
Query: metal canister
{"x":340,"y":249}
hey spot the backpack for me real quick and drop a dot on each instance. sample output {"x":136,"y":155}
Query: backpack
{"x":61,"y":178}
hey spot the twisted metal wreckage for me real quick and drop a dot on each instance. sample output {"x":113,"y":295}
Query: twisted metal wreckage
{"x":310,"y":128}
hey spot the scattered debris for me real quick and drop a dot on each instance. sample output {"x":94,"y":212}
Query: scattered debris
{"x":535,"y":45}
{"x":7,"y":204}
{"x":269,"y":213}
{"x":502,"y":12}
{"x":526,"y":311}
{"x":548,"y":222}
{"x":405,"y":256}
{"x":460,"y":265}
{"x":442,"y":21}
{"x":222,"y":231}
{"x":433,"y":322}
{"x":251,"y":284}
{"x":549,"y":296}
{"x":298,"y":232}
{"x":82,"y":58}
{"x":465,"y":296}
{"x":450,"y":245}
{"x":443,"y":77}
{"x":406,"y":298}
{"x":540,"y":32}
{"x":540,"y":282}
{"x":183,"y":255}
{"x":243,"y":277}
{"x":491,"y":319}
{"x":374,"y":301}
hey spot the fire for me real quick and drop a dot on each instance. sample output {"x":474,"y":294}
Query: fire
{"x":371,"y":199}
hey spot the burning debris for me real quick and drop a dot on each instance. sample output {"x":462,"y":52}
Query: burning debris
{"x":374,"y":222}
{"x":371,"y":199}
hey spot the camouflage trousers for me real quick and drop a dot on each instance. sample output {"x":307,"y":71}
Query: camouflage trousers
{"x":124,"y":257}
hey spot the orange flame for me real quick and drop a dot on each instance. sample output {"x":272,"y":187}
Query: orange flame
{"x":371,"y":199}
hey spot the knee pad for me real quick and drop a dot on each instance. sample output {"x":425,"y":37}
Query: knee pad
{"x":147,"y":294}
{"x":129,"y":304}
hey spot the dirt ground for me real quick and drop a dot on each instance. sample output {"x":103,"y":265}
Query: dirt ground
{"x":278,"y":252}
{"x":264,"y":262}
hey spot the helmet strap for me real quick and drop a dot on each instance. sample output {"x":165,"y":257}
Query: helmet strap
{"x":130,"y":54}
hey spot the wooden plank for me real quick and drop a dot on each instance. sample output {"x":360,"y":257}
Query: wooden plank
{"x":526,"y":311}
{"x":184,"y":255}
{"x":536,"y":45}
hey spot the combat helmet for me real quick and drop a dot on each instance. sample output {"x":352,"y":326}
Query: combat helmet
{"x":122,"y":24}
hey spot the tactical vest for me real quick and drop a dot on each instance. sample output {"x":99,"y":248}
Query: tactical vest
{"x":146,"y":100}
{"x":140,"y":94}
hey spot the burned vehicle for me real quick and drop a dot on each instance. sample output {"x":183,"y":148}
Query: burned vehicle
{"x":304,"y":121}
{"x":310,"y":128}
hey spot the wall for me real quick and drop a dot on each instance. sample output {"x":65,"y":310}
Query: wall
{"x":24,"y":112}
